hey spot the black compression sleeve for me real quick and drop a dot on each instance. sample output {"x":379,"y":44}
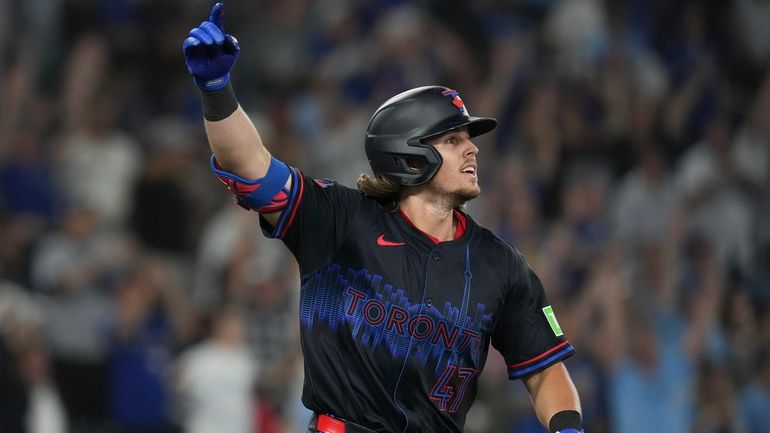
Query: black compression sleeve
{"x":566,"y":420}
{"x":219,"y":104}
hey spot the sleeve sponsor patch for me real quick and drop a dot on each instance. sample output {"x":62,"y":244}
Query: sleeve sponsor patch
{"x":551,"y":317}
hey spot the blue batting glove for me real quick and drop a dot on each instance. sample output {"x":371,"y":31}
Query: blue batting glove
{"x":210,"y":53}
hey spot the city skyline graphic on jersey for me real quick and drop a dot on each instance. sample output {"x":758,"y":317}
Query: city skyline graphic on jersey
{"x":378,"y":314}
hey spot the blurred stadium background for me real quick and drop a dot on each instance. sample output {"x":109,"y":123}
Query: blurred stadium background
{"x":631,"y":167}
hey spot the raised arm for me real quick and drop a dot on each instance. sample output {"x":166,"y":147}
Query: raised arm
{"x":237,"y":145}
{"x":242,"y":161}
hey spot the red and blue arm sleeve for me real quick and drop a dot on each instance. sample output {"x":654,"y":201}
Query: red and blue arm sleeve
{"x":265,"y":195}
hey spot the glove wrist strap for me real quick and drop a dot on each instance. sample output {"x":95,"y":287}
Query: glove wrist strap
{"x":219,"y":104}
{"x":213,"y":84}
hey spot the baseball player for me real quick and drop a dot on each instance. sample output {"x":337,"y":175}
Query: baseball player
{"x":402,"y":291}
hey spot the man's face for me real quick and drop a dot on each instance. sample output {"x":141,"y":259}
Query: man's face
{"x":457,"y":179}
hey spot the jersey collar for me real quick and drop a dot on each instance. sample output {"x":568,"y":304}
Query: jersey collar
{"x":459,"y":217}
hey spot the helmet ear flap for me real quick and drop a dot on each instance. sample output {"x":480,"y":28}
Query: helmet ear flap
{"x":413,"y":163}
{"x":408,"y":169}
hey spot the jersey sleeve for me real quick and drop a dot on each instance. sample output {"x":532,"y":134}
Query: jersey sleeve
{"x":528,"y":334}
{"x":315,"y":219}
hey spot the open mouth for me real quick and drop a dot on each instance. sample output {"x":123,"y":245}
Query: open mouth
{"x":471,"y":171}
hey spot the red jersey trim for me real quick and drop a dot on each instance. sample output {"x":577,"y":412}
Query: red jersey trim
{"x":295,"y":206}
{"x":462,"y":225}
{"x":542,"y":355}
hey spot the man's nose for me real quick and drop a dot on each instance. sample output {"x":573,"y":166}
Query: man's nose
{"x":472,"y":149}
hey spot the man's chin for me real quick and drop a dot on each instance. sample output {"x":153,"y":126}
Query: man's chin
{"x":464,"y":196}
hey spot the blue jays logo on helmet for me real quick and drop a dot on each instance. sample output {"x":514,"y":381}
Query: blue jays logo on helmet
{"x":456,"y":101}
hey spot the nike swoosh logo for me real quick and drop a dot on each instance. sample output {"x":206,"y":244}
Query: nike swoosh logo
{"x":381,"y":241}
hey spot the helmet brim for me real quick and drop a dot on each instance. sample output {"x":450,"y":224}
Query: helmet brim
{"x":476,"y":126}
{"x":481,"y":125}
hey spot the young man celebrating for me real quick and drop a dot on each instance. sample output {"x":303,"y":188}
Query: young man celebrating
{"x":402,"y":292}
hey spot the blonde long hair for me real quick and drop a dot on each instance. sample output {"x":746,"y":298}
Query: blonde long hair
{"x":386,"y":192}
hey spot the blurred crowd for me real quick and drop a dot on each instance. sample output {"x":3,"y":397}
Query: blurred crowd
{"x":631,"y":167}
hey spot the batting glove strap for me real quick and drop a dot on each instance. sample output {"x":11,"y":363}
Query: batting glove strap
{"x":213,"y":84}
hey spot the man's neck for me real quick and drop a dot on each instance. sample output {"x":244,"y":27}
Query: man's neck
{"x":433,"y":218}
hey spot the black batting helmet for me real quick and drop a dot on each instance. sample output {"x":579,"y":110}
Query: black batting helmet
{"x":397,"y":131}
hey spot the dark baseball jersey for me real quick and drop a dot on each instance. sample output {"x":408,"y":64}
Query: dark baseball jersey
{"x":395,"y":328}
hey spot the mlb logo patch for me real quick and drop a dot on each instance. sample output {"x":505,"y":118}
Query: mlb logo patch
{"x":456,"y":101}
{"x":323,"y":183}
